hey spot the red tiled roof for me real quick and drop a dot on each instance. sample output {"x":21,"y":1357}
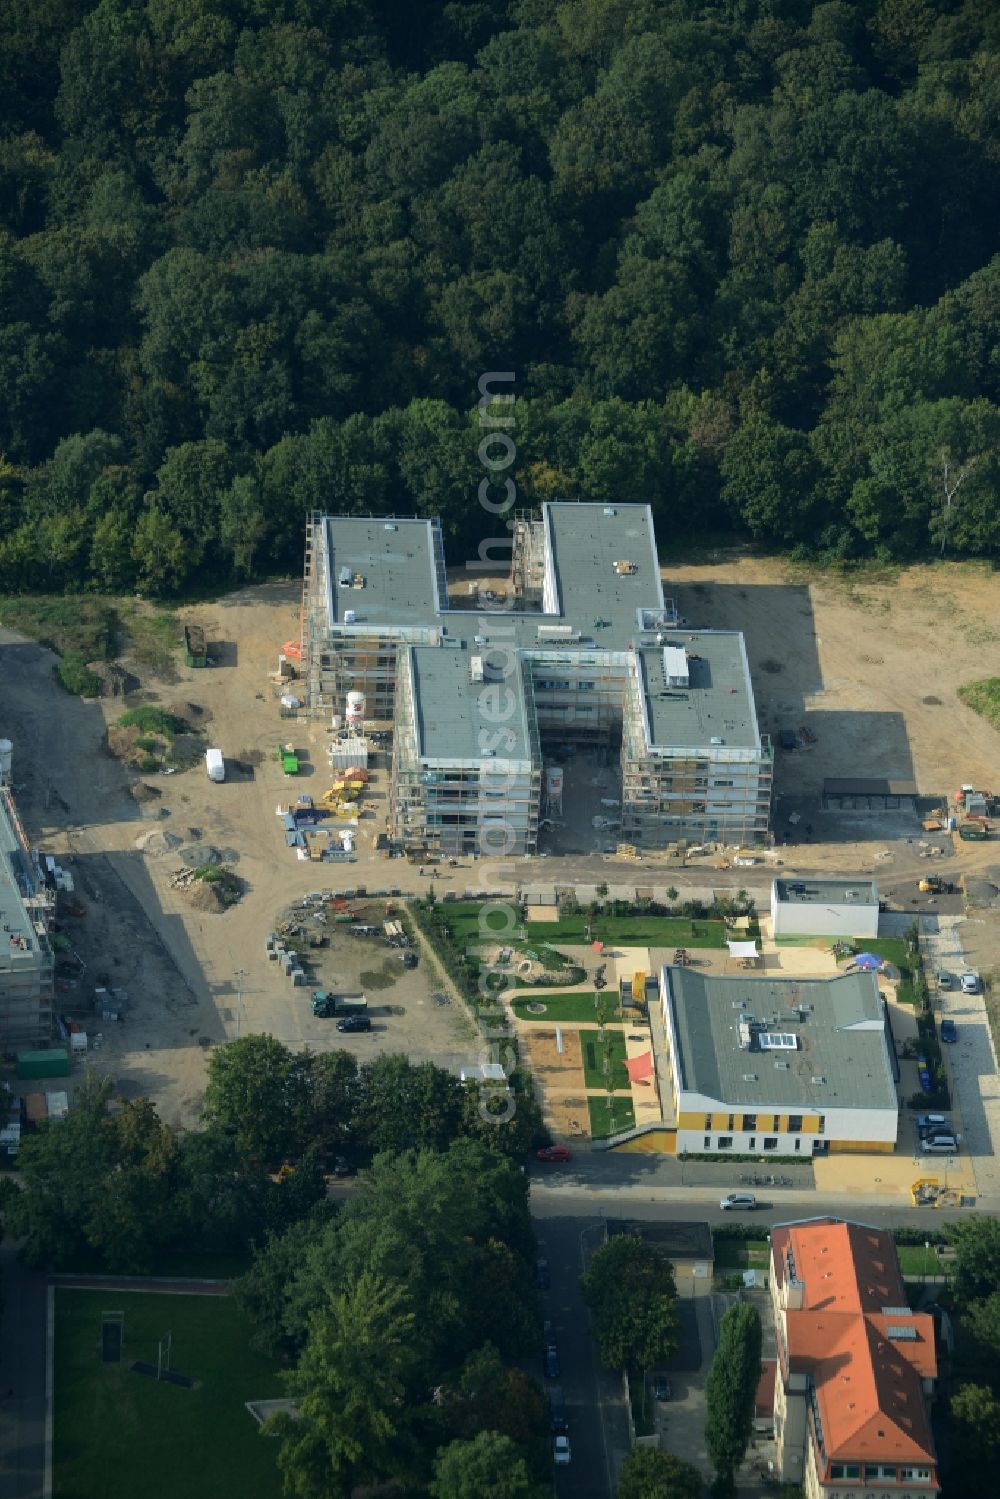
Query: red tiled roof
{"x":867,"y":1381}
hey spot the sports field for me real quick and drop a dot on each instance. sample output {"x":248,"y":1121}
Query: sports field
{"x":122,"y":1435}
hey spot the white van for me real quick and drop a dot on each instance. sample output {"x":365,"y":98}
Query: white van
{"x":215,"y":765}
{"x":940,"y":1145}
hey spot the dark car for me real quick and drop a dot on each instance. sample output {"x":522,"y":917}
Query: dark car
{"x":949,"y":1031}
{"x":557,"y":1418}
{"x":661,"y":1387}
{"x":343,"y":1167}
{"x":408,"y":959}
{"x":552,"y":1362}
{"x":542,"y":1279}
{"x":354,"y":1023}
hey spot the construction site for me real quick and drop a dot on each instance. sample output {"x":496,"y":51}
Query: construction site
{"x":578,"y":650}
{"x":27,"y":909}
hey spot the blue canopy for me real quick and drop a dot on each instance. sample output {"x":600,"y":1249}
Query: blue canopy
{"x":868,"y":960}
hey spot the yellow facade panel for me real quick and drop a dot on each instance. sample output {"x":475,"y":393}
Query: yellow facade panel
{"x":654,"y":1142}
{"x":720,"y":1122}
{"x":690,"y":1121}
{"x":861,"y":1147}
{"x":810,"y":1124}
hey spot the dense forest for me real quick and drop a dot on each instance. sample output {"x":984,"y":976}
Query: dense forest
{"x":256,"y":254}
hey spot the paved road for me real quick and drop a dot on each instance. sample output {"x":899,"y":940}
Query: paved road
{"x":22,"y":1370}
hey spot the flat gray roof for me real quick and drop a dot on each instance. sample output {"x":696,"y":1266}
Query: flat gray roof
{"x":841,"y":1038}
{"x":396,"y":560}
{"x":826,"y":892}
{"x":401,"y":561}
{"x":452,"y":710}
{"x":15,"y":874}
{"x":587,"y":540}
{"x":717,"y":703}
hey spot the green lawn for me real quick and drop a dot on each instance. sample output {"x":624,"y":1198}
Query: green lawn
{"x":915,"y":1261}
{"x":601,"y":1123}
{"x":119,"y":1434}
{"x":642,"y":931}
{"x":895,"y":951}
{"x":593,"y":1059}
{"x":568,"y":1008}
{"x":983,"y":697}
{"x":732,"y":1254}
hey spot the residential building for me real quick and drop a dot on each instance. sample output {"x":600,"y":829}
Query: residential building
{"x":856,"y":1368}
{"x":27,"y":960}
{"x":777,"y":1065}
{"x":824,"y":908}
{"x":578,"y":648}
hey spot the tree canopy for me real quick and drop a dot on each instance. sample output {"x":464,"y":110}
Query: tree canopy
{"x":730,"y":1390}
{"x":629,"y":1288}
{"x":255,"y":258}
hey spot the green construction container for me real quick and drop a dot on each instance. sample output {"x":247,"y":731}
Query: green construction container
{"x":54,"y":1063}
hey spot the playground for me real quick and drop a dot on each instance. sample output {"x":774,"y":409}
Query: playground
{"x":150,"y":1393}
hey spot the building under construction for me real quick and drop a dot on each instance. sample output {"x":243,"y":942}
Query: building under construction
{"x":579,"y":648}
{"x":27,"y":963}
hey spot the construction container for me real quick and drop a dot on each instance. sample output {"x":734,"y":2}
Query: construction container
{"x":51,"y":1063}
{"x":195,"y":646}
{"x":347,"y":753}
{"x":215,"y":765}
{"x":36,"y":1108}
{"x":58,"y":1106}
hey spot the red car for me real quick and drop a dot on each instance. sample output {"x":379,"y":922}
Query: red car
{"x":554,"y":1153}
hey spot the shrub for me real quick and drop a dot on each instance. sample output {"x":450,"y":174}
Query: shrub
{"x":149,"y":763}
{"x":149,"y":720}
{"x":73,"y":673}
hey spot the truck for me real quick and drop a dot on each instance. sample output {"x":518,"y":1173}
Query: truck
{"x":326,"y":1003}
{"x":215,"y":765}
{"x":195,"y":646}
{"x":288,"y":759}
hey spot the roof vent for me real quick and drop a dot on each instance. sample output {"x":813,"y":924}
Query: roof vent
{"x":610,"y":510}
{"x":783,"y":1066}
{"x":716,"y":740}
{"x":344,"y":577}
{"x":749,"y":1077}
{"x":391,"y":527}
{"x":816,"y":1081}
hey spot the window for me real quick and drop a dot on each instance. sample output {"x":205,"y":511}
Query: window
{"x":874,"y":1470}
{"x":846,"y":1470}
{"x":732,"y":1122}
{"x":708,"y":1121}
{"x":708,"y":1142}
{"x":798,"y":1145}
{"x":821,"y":1127}
{"x":752,"y":1143}
{"x":794,"y":1123}
{"x":749,"y":1121}
{"x":725,"y":1142}
{"x":771,"y":1142}
{"x":918,"y":1473}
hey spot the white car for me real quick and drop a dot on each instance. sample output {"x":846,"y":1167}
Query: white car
{"x":737,"y":1201}
{"x":561,"y":1454}
{"x":970,"y":983}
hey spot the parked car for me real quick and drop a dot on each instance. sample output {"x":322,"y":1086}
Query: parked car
{"x":661,"y":1387}
{"x":552,"y":1363}
{"x":554,"y":1153}
{"x":343,"y":1167}
{"x":928,"y":1122}
{"x":557,"y":1417}
{"x":940,"y":1144}
{"x":944,"y":979}
{"x":969,"y":983}
{"x":738,"y":1202}
{"x":949,"y":1031}
{"x":408,"y":959}
{"x":354,"y":1023}
{"x":561,"y":1454}
{"x":542,"y":1278}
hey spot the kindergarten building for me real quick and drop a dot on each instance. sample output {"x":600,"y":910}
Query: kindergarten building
{"x":779,"y":1066}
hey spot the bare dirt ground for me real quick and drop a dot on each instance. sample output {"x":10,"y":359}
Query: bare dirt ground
{"x":872,"y":668}
{"x":184,"y":968}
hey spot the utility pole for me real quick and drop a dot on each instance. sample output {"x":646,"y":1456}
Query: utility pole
{"x":240,"y":977}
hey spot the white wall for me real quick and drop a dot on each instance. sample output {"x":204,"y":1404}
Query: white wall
{"x":815,"y":919}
